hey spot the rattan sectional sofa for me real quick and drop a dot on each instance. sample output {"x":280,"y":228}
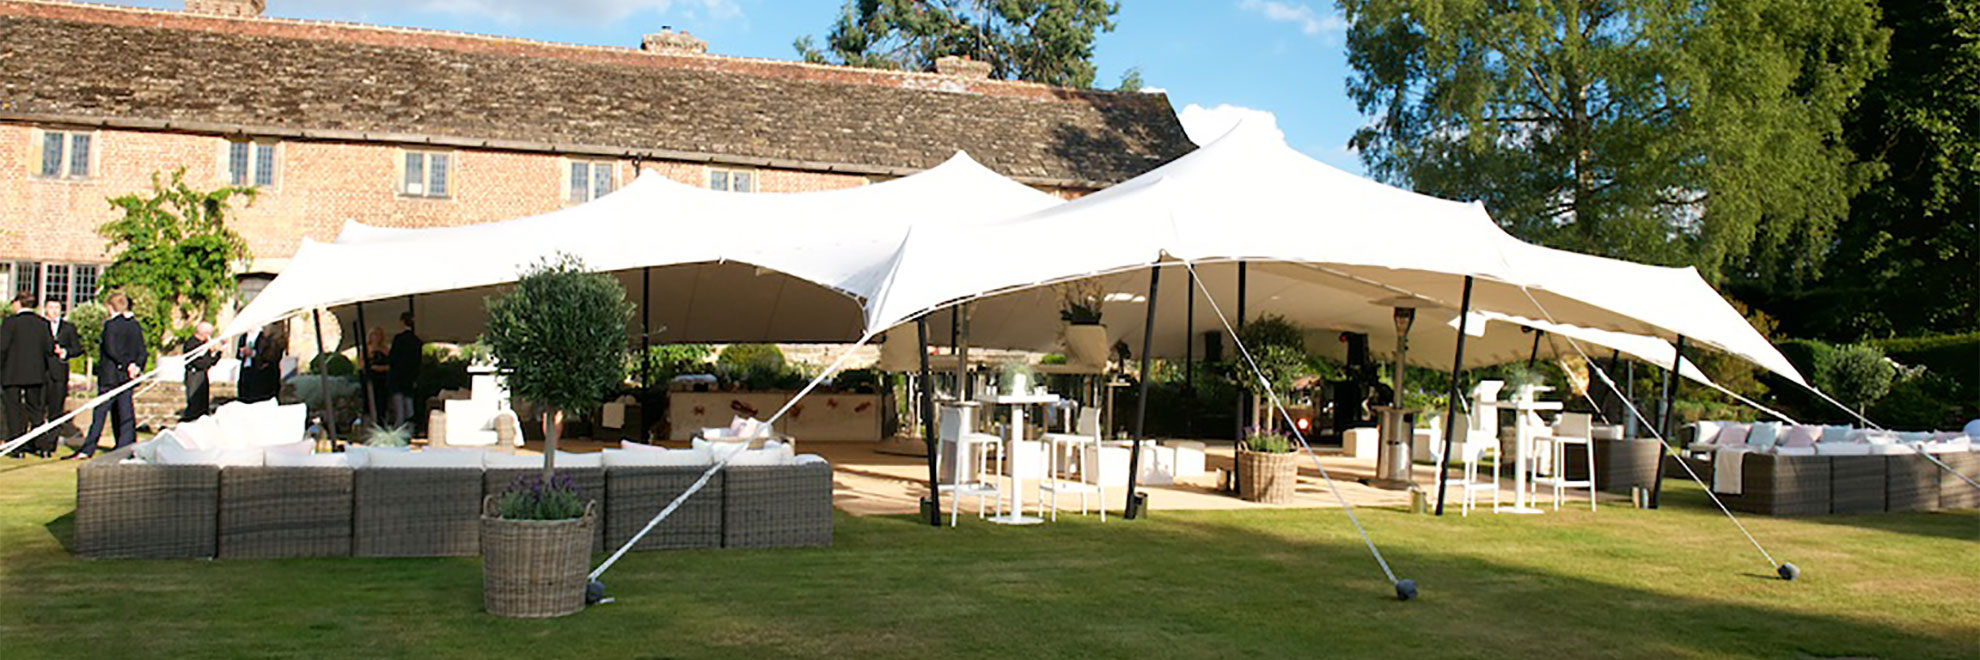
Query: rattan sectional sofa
{"x":144,"y":510}
{"x":1844,"y":477}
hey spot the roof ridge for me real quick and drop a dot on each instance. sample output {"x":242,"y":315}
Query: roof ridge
{"x":435,"y":38}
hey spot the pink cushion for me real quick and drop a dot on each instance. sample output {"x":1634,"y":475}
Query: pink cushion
{"x":1731,"y":434}
{"x":1801,"y":436}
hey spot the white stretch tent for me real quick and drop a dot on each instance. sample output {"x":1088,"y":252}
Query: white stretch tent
{"x":1324,"y":245}
{"x":726,"y":266}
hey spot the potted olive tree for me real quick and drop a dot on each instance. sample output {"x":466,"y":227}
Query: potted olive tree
{"x":558,"y":338}
{"x":1269,"y":465}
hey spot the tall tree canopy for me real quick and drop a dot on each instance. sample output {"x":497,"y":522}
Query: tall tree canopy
{"x":1679,"y":132}
{"x":1905,"y":262}
{"x":1045,"y":41}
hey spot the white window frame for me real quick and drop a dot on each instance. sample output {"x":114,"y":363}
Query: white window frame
{"x":65,"y":170}
{"x":255,"y":167}
{"x":37,"y":279}
{"x":425,"y":184}
{"x":593,"y":168}
{"x":728,"y":176}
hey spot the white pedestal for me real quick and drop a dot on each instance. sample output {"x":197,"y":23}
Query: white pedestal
{"x":1360,"y":443}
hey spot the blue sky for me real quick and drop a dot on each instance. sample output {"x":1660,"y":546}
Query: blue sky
{"x":1217,"y":59}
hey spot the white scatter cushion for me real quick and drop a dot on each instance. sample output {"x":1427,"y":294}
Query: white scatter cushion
{"x":739,"y":424}
{"x":431,"y":458}
{"x":202,"y":433}
{"x":1786,"y":450}
{"x":1833,"y":434}
{"x":237,"y":456}
{"x":718,"y":451}
{"x":1895,"y":449}
{"x":1763,"y":434}
{"x":176,"y":453}
{"x":1707,"y":432}
{"x":147,"y":451}
{"x":1843,"y":449}
{"x":653,"y":458}
{"x":284,"y":425}
{"x":1954,"y":445}
{"x":809,"y":459}
{"x":1915,"y":436}
{"x":297,"y":448}
{"x":494,"y":460}
{"x":717,"y":432}
{"x":770,"y":454}
{"x":277,"y":459}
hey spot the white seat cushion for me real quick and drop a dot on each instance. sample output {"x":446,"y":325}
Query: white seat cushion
{"x":654,"y":457}
{"x":1843,"y":449}
{"x":430,"y":458}
{"x":495,"y":460}
{"x":275,"y":459}
{"x":773,"y":453}
{"x":176,"y":453}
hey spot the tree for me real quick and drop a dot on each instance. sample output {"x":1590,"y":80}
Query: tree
{"x":176,"y":258}
{"x":1856,"y":375}
{"x":1044,"y":41}
{"x":1670,"y":132}
{"x":1909,"y":247}
{"x":559,"y":339}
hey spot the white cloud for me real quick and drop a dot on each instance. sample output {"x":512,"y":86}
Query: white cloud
{"x":1205,"y":125}
{"x":570,"y":11}
{"x":1300,"y":14}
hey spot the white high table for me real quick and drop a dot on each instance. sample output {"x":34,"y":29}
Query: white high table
{"x":1017,"y":403}
{"x":1522,"y":442}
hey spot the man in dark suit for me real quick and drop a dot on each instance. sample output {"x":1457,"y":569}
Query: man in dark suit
{"x":198,"y":396}
{"x":25,"y":344}
{"x":120,"y":358}
{"x":68,"y":346}
{"x":404,"y":371}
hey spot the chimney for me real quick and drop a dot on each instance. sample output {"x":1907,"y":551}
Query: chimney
{"x":962,"y":67}
{"x":235,"y":8}
{"x":669,"y":42}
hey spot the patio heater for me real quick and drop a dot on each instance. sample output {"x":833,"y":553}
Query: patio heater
{"x":1393,"y":452}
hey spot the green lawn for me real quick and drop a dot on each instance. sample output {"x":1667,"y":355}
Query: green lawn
{"x":1621,"y":583}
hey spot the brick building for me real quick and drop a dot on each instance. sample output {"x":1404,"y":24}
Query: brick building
{"x":404,"y":127}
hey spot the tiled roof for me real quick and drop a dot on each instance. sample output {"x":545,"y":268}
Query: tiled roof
{"x":328,"y":80}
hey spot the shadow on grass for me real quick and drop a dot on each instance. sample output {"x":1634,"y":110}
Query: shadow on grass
{"x":63,"y":530}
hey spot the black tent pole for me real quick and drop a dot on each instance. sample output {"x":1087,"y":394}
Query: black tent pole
{"x":323,"y":378}
{"x":648,"y":401}
{"x":1134,"y":499}
{"x":1189,"y":355}
{"x":1237,"y":434}
{"x":1535,"y":353}
{"x":364,"y":366}
{"x":1664,"y":423}
{"x":1451,"y":406}
{"x":928,"y":424}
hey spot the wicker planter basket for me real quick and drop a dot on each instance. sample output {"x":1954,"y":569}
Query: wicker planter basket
{"x":1267,"y":477}
{"x":534,"y":569}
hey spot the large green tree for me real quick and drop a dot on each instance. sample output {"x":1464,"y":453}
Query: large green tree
{"x":175,"y":255}
{"x":559,"y":340}
{"x":1701,"y":132}
{"x":1905,"y":262}
{"x":1046,"y":41}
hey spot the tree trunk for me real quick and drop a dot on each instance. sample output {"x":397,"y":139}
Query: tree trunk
{"x":553,"y":424}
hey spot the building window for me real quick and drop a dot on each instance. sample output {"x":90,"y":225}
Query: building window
{"x":732,"y":180}
{"x":72,"y":284}
{"x":427,"y":174}
{"x":64,"y":155}
{"x":251,"y":163}
{"x":591,"y":180}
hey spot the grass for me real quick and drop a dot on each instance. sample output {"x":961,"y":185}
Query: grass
{"x":1619,"y":583}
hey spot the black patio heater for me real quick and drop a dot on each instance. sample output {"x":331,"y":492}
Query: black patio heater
{"x":1397,"y":436}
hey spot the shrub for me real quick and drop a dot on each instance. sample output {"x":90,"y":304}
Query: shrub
{"x":1267,"y":442}
{"x":533,"y":498}
{"x":665,"y":361}
{"x":388,"y":438}
{"x":559,"y":338}
{"x":1857,"y":374}
{"x":338,"y":365}
{"x":751,"y":357}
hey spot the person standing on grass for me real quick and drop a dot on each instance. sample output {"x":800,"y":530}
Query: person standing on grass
{"x":68,"y":346}
{"x":198,"y":388}
{"x":404,"y":371}
{"x":25,"y":346}
{"x":120,"y":358}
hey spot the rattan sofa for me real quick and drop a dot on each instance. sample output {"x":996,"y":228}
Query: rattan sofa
{"x":203,"y":511}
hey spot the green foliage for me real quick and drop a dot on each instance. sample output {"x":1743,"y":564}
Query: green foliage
{"x":864,"y":381}
{"x":175,"y":255}
{"x":338,"y":365}
{"x":88,"y":319}
{"x":1857,"y":374}
{"x":1131,"y":80}
{"x":1704,"y":133}
{"x":388,"y":438}
{"x":532,"y":498}
{"x":1046,"y":41}
{"x":559,"y":336}
{"x":1272,"y":330}
{"x":1909,"y":247}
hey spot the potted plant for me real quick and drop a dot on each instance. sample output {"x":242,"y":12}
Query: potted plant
{"x":1085,"y":338}
{"x":557,"y":340}
{"x":1269,"y":466}
{"x":536,"y":548}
